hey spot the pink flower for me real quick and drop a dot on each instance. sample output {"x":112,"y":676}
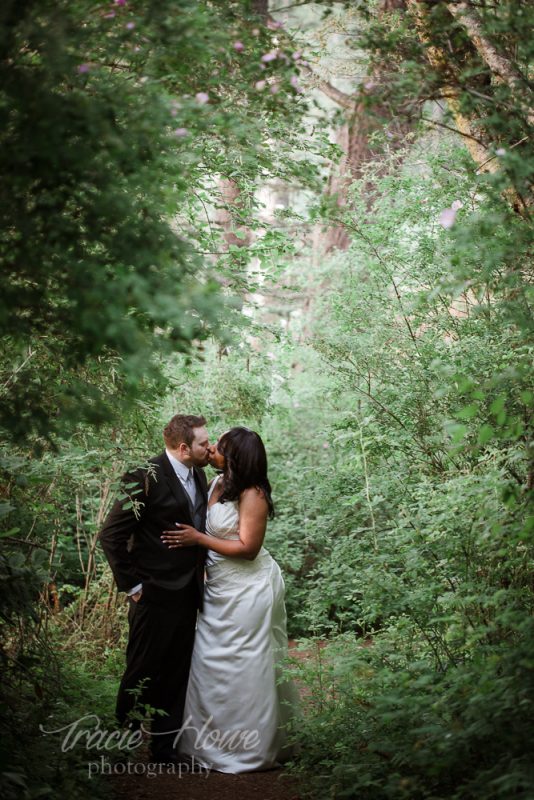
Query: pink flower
{"x":83,"y":68}
{"x":266,"y":57}
{"x":259,"y":85}
{"x":120,"y":2}
{"x":447,"y":217}
{"x":294,"y":81}
{"x":180,"y":132}
{"x":274,"y":88}
{"x":130,"y":26}
{"x":456,"y":204}
{"x":296,"y":55}
{"x":239,"y":46}
{"x":274,"y":25}
{"x":202,"y":98}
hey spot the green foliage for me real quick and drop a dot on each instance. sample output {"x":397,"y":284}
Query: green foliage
{"x":108,"y":132}
{"x":419,"y":508}
{"x":50,"y":684}
{"x":382,"y":722}
{"x":432,"y":53}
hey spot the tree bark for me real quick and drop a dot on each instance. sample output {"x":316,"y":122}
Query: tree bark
{"x":260,"y":8}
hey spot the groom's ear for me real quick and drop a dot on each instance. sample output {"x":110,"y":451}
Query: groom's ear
{"x":184,"y":449}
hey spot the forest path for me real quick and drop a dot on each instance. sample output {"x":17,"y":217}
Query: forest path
{"x":192,"y":784}
{"x":272,"y":785}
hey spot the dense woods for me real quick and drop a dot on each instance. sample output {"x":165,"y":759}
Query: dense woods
{"x":314,"y":219}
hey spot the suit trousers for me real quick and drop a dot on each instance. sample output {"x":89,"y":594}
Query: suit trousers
{"x":160,"y":645}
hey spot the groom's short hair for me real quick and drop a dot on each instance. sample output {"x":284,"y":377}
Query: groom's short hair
{"x":180,"y":429}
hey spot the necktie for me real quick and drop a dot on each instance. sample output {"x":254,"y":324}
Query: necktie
{"x":190,"y":486}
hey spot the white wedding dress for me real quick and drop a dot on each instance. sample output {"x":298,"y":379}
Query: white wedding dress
{"x":236,"y":709}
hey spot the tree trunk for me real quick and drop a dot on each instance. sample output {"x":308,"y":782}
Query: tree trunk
{"x":260,"y":8}
{"x":225,"y":216}
{"x":353,"y":138}
{"x":439,"y":61}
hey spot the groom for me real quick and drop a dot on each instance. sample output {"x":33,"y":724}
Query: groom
{"x":164,"y":586}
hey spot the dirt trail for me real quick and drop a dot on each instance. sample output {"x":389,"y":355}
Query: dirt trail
{"x":272,"y":785}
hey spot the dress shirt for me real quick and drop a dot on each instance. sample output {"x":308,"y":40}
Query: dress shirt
{"x":185,"y":475}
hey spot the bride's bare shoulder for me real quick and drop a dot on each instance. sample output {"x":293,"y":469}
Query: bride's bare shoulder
{"x":253,"y":496}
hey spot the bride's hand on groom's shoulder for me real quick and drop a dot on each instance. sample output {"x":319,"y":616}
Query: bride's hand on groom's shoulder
{"x":183,"y":536}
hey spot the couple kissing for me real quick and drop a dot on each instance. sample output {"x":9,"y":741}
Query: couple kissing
{"x":207,"y":620}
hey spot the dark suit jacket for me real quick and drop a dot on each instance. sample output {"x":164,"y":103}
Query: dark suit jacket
{"x":130,"y":536}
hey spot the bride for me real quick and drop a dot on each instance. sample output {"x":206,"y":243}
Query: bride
{"x":237,"y":709}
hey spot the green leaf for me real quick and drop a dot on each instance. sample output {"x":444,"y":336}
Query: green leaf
{"x":498,"y":404}
{"x":10,"y":532}
{"x":468,"y":412}
{"x":485,"y":433}
{"x":5,"y":509}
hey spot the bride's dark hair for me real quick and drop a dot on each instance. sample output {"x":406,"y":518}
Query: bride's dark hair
{"x":245,"y":465}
